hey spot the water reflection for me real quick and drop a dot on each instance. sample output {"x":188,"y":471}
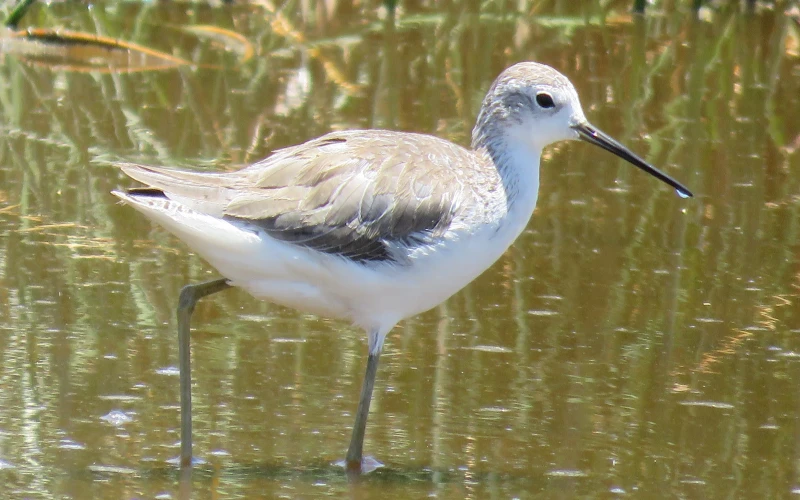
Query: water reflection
{"x":629,"y":342}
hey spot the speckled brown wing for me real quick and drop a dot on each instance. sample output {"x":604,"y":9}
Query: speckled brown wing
{"x":357,"y":194}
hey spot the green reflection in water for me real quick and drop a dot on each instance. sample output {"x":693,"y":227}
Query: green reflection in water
{"x":630,"y":341}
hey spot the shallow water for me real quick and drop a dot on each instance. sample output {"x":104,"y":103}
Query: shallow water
{"x":630,"y":343}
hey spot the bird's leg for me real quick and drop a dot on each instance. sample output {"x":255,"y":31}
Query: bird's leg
{"x":354,"y":452}
{"x":190,"y":294}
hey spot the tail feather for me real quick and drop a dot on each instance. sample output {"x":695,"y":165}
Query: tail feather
{"x":201,"y":231}
{"x":205,"y":192}
{"x":146,"y":191}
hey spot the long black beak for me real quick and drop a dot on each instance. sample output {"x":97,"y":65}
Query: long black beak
{"x":594,"y":136}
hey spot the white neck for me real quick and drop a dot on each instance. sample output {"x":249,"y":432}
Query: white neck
{"x":517,"y":162}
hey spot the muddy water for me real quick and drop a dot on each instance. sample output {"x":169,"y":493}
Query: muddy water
{"x":629,"y":343}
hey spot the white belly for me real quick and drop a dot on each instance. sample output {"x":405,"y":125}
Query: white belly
{"x":373,"y":296}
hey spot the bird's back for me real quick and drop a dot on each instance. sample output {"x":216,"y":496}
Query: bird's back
{"x":363,"y":195}
{"x":363,"y":225}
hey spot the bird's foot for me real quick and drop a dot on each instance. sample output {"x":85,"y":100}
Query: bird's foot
{"x":365,"y":466}
{"x":184,"y":464}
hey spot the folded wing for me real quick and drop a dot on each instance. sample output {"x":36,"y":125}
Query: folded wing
{"x":363,"y":195}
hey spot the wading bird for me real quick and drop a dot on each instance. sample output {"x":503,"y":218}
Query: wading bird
{"x":370,"y":226}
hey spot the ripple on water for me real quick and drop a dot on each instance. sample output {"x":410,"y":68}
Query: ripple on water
{"x":542,"y":312}
{"x":117,"y":418}
{"x":170,"y":371}
{"x":68,"y":444}
{"x":111,"y":469}
{"x":708,"y":404}
{"x":488,"y":348}
{"x":566,"y":473}
{"x":119,"y":397}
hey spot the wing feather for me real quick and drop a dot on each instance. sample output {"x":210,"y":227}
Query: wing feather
{"x":358,"y":194}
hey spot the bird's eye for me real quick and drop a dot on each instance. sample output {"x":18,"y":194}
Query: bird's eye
{"x":545,"y":100}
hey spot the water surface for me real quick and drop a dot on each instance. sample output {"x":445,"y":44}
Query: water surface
{"x":630,"y":342}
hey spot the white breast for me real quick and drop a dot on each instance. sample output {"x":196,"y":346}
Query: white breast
{"x":373,"y":296}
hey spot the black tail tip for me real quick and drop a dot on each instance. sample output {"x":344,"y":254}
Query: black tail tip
{"x":146,"y":191}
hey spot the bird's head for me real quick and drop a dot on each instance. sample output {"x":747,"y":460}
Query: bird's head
{"x":531,"y":105}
